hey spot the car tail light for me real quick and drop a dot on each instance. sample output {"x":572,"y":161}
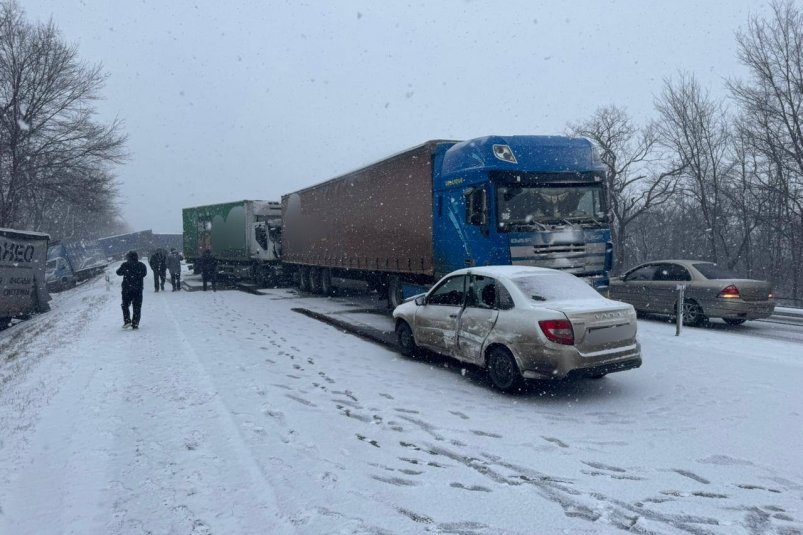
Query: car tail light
{"x":558,"y":331}
{"x":730,"y":292}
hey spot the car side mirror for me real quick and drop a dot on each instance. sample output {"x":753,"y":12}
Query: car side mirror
{"x":421,"y":300}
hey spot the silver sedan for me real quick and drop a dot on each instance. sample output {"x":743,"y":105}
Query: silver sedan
{"x":521,"y":323}
{"x":710,"y":291}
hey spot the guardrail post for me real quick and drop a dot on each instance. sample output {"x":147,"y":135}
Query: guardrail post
{"x":681,"y":288}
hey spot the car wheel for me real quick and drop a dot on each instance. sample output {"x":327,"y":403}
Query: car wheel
{"x":692,"y":313}
{"x":503,"y":370}
{"x":733,"y":321}
{"x":407,"y":344}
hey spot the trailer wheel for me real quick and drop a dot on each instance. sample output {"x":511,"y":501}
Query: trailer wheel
{"x":303,"y":278}
{"x":395,"y":296}
{"x":326,"y":281}
{"x":315,"y":280}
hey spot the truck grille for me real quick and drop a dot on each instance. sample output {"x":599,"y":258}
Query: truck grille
{"x":575,"y":258}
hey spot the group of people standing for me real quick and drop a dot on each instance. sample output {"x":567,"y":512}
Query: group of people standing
{"x":161,"y":262}
{"x":134,"y":272}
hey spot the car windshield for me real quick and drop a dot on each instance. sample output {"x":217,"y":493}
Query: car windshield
{"x":554,"y":287}
{"x":713,"y":271}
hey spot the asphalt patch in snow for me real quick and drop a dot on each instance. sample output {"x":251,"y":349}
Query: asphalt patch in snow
{"x":363,"y":331}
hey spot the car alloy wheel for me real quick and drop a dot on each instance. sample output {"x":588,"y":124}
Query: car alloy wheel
{"x":692,"y":313}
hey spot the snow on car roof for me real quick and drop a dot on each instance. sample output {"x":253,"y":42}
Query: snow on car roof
{"x":508,"y":271}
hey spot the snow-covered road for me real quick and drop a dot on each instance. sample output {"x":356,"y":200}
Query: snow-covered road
{"x":229,"y":413}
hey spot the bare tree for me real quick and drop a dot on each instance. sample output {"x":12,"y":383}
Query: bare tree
{"x":638,"y":176}
{"x":771,"y":101}
{"x":696,"y":128}
{"x":50,"y":145}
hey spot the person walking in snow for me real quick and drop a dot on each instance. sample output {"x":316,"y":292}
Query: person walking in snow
{"x":158,"y":263}
{"x":209,"y":269}
{"x":133,"y":272}
{"x":174,"y":267}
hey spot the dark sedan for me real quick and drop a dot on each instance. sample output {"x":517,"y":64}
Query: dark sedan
{"x":711,"y":292}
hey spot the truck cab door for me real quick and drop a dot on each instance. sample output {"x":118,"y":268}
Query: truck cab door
{"x":476,"y":225}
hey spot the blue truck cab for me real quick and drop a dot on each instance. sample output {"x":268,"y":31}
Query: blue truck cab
{"x":521,"y":200}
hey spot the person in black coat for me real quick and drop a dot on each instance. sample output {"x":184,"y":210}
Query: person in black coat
{"x":133,"y":272}
{"x":158,"y":263}
{"x":174,"y":267}
{"x":209,"y":269}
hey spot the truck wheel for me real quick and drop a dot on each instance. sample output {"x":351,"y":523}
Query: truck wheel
{"x":315,"y":280}
{"x":395,"y":296}
{"x":303,"y":278}
{"x":326,"y":281}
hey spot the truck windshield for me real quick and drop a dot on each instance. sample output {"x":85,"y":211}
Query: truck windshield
{"x":527,"y":207}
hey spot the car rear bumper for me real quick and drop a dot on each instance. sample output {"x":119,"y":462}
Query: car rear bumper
{"x":568,"y":362}
{"x":738,"y":309}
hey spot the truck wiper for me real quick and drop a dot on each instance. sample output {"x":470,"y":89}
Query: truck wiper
{"x":531,"y":223}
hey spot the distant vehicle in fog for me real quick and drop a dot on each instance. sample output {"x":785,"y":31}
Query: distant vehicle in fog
{"x":711,"y":291}
{"x":70,"y":262}
{"x":521,"y":323}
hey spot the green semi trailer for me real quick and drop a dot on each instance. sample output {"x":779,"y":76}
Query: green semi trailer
{"x":244,"y":236}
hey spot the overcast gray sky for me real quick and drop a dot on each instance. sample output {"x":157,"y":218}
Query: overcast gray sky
{"x":252,"y":99}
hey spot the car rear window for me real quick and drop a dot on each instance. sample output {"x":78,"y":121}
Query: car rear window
{"x":713,"y":271}
{"x":554,"y":287}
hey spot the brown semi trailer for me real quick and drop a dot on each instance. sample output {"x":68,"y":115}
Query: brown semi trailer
{"x":373,"y":224}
